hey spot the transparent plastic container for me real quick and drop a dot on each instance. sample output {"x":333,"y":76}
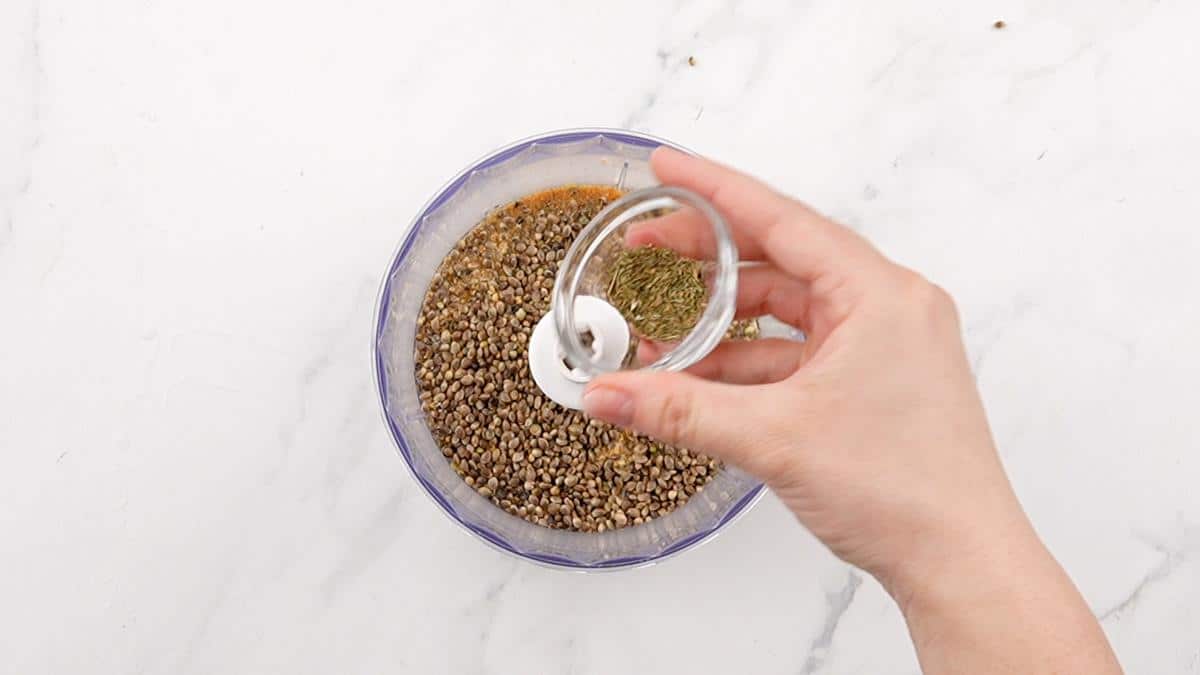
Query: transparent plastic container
{"x":582,"y":156}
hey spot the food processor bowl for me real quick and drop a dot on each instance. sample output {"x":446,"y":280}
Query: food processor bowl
{"x":577,"y":156}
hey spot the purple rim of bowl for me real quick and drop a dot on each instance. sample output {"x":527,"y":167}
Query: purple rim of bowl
{"x":381,"y":307}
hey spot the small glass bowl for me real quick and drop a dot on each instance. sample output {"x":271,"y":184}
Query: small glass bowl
{"x":578,"y":156}
{"x":584,"y":272}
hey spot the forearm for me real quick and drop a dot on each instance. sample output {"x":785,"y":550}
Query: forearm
{"x":1004,"y":606}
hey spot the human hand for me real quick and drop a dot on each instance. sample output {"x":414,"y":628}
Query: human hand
{"x":871,"y":430}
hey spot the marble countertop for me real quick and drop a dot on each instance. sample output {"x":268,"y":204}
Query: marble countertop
{"x":197,"y":201}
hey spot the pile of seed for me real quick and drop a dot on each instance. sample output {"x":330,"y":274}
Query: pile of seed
{"x":544,"y":463}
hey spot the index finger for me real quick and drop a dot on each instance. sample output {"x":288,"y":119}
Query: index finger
{"x":784,"y":231}
{"x":688,"y":233}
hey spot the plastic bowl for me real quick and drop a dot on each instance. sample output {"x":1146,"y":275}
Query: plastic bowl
{"x":581,"y":156}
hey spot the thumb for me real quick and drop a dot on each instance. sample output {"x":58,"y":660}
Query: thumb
{"x":711,"y":417}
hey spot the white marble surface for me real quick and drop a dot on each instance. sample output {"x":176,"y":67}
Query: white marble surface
{"x":197,"y":200}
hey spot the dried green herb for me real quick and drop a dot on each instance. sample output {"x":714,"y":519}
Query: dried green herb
{"x":660,"y":293}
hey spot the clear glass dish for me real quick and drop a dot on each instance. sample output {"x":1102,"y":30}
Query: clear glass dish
{"x":585,"y":269}
{"x":578,"y":156}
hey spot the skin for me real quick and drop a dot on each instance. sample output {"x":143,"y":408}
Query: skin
{"x":872,"y":431}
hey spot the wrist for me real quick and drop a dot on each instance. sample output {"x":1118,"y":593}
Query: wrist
{"x":998,"y":603}
{"x":952,"y":561}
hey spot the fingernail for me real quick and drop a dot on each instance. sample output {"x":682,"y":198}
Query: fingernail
{"x":610,"y":405}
